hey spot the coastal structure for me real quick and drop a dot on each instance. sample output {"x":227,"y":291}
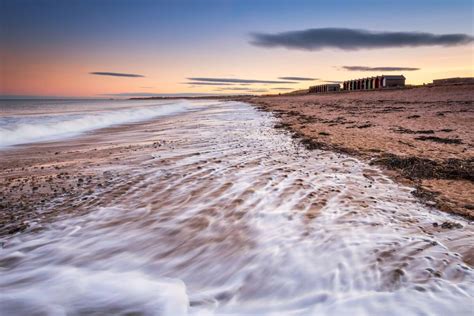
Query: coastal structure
{"x":372,"y":83}
{"x":332,"y":87}
{"x":369,"y":83}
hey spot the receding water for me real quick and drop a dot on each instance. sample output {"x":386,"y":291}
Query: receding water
{"x":28,"y":121}
{"x":233,"y":217}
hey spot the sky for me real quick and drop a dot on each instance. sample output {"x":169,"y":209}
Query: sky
{"x":117,"y":48}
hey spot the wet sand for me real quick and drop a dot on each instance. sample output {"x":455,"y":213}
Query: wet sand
{"x":45,"y":180}
{"x":215,"y":211}
{"x":422,"y":136}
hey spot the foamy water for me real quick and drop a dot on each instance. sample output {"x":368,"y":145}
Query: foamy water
{"x":235,"y":218}
{"x":63,"y":120}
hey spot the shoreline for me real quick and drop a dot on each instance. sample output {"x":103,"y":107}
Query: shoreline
{"x":45,"y":180}
{"x":393,"y":129}
{"x":217,"y":195}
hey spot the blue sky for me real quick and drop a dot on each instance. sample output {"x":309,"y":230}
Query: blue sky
{"x":134,"y":34}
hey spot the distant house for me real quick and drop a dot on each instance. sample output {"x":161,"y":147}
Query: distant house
{"x":393,"y":81}
{"x":333,"y":87}
{"x":372,"y":83}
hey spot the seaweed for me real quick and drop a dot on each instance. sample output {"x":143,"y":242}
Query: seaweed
{"x":440,"y":139}
{"x":423,"y":168}
{"x":403,"y":130}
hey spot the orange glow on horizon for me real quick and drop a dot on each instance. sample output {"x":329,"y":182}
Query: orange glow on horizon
{"x":54,"y":75}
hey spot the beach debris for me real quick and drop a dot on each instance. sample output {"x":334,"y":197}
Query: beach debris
{"x":440,"y":139}
{"x":446,"y":130}
{"x":418,"y":168}
{"x":364,"y":126}
{"x":448,"y":225}
{"x":403,"y":130}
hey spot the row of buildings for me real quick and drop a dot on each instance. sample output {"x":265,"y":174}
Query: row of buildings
{"x":370,"y":83}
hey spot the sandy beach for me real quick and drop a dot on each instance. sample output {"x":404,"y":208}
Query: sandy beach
{"x":421,"y":136}
{"x":199,"y":210}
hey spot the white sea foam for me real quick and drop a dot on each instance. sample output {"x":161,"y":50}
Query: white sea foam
{"x":238,"y":220}
{"x":95,"y":292}
{"x":23,"y":129}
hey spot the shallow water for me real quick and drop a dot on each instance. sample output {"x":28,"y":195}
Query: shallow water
{"x":28,"y":121}
{"x":231,"y":216}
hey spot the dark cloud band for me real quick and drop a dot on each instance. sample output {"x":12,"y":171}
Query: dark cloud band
{"x":115,"y":74}
{"x":332,"y":81}
{"x":145,"y":94}
{"x":298,"y":78}
{"x":197,"y":83}
{"x":352,"y":39}
{"x":235,"y":89}
{"x":364,"y":68}
{"x":233,"y":80}
{"x":242,"y":89}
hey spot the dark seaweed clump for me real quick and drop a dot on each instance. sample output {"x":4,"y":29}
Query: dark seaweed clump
{"x":402,"y":130}
{"x":423,"y":168}
{"x":440,"y":140}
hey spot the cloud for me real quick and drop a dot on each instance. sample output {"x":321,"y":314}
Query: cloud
{"x":282,"y":88}
{"x":242,"y":89}
{"x":353,"y":39}
{"x":235,"y":89}
{"x":233,"y":80}
{"x":364,"y":68}
{"x":145,"y":94}
{"x":115,"y":74}
{"x":332,"y":81}
{"x":298,"y":78}
{"x":207,"y":83}
{"x":132,"y":94}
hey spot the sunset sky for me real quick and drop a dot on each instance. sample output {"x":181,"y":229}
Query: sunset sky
{"x":125,"y":48}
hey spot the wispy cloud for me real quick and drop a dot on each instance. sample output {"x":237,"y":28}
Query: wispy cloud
{"x":132,"y":94}
{"x":365,"y":68}
{"x":115,"y":74}
{"x":282,"y":88}
{"x":234,"y":80}
{"x":196,"y":83}
{"x":352,"y":39}
{"x":242,"y":89}
{"x":298,"y":78}
{"x":332,"y":81}
{"x":234,"y":89}
{"x":145,"y":94}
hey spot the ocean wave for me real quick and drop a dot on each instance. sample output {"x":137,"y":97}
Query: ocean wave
{"x":28,"y":129}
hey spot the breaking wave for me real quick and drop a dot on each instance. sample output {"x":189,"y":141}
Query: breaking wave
{"x":22,"y":129}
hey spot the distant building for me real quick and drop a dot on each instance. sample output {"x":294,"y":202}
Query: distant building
{"x":333,"y":87}
{"x":371,"y":83}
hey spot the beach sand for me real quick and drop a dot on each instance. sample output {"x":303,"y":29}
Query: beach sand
{"x":215,"y":210}
{"x":45,"y":180}
{"x":388,"y":128}
{"x":421,"y":136}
